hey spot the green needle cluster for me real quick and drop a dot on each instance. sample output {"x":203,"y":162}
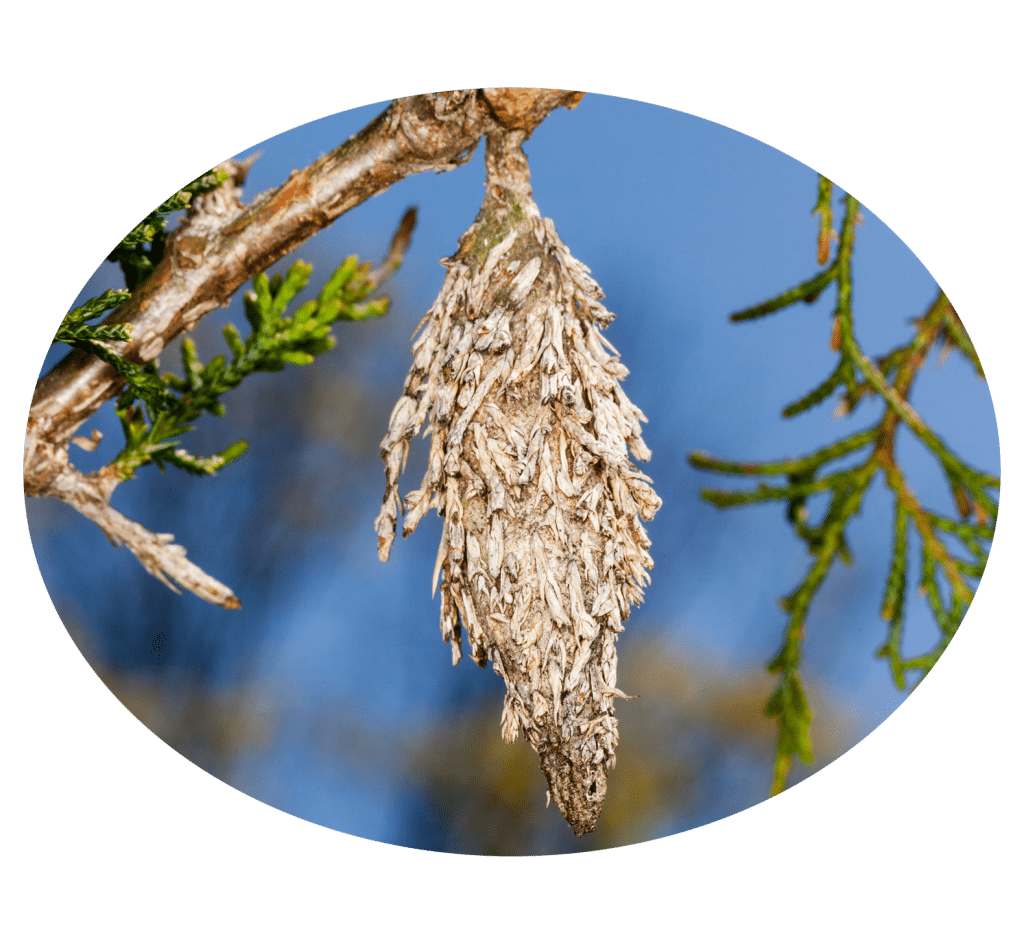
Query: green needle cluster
{"x":151,"y":429}
{"x":142,"y":382}
{"x":138,"y":254}
{"x":950,"y":569}
{"x":74,"y":330}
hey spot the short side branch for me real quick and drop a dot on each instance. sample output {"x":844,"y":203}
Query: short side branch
{"x":90,"y":494}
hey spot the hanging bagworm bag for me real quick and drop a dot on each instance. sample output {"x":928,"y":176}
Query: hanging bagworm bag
{"x":542,"y":551}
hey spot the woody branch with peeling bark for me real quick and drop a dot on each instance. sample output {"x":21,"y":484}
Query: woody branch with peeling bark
{"x":220,"y":246}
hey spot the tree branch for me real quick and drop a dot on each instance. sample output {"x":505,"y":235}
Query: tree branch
{"x":221,"y":244}
{"x":219,"y":247}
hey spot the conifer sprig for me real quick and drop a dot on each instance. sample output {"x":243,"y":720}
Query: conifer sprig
{"x":949,"y":574}
{"x":136,"y":262}
{"x":141,"y":382}
{"x":74,"y":330}
{"x":151,"y":434}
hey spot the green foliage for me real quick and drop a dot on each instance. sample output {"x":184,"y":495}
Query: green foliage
{"x":948,"y":574}
{"x":74,"y":330}
{"x":142,"y":383}
{"x":152,"y":431}
{"x":137,"y":262}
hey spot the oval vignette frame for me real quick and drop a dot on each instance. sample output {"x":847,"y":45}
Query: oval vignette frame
{"x":659,"y":844}
{"x":659,"y":642}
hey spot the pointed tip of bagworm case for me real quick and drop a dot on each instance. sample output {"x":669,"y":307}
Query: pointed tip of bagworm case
{"x":578,"y":789}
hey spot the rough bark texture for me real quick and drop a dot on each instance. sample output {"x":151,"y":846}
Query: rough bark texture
{"x":543,"y":550}
{"x":221,"y":245}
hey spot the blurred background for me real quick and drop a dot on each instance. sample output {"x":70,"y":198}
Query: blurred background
{"x":330,"y":695}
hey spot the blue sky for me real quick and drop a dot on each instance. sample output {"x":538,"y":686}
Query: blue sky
{"x":682,"y":222}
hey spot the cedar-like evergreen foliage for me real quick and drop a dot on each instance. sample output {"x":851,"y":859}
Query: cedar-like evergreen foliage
{"x":950,"y":569}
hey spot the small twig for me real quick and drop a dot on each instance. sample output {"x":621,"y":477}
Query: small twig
{"x":396,"y":252}
{"x":90,"y":495}
{"x":805,"y":292}
{"x":824,"y":210}
{"x":811,"y":462}
{"x":150,"y":432}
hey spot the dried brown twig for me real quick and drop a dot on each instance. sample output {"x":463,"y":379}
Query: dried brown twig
{"x":219,"y":247}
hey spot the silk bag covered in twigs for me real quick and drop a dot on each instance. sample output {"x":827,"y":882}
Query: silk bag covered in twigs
{"x":543,"y":551}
